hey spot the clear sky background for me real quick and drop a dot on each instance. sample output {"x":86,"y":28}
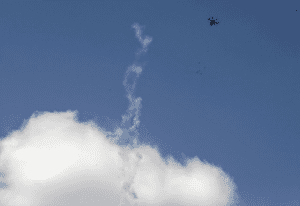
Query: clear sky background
{"x":227,"y":93}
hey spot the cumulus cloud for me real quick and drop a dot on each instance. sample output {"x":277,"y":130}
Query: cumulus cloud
{"x":53,"y":159}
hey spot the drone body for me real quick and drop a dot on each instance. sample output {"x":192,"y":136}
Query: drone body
{"x":212,"y":21}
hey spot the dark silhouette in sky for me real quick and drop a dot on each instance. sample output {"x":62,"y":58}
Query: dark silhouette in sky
{"x":198,"y":72}
{"x":213,"y":22}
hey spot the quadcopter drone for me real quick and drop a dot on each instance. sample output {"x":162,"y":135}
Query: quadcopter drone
{"x":212,"y":21}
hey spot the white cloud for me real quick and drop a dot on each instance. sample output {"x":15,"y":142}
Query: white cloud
{"x":56,"y":160}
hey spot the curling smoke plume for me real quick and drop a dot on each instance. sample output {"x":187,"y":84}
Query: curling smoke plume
{"x":55,"y":160}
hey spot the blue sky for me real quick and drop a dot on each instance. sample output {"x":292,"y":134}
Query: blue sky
{"x":227,"y":93}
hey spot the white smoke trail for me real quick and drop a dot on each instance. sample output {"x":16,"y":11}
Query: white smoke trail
{"x":55,"y":160}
